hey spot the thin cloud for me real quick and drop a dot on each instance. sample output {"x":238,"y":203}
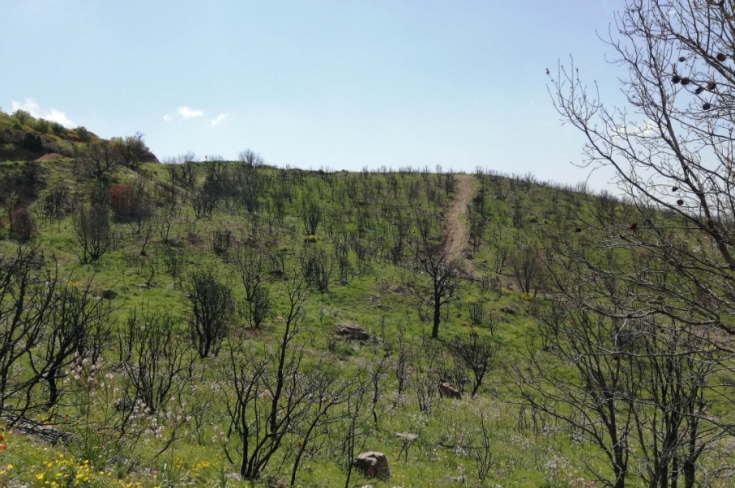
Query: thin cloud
{"x":219,"y":119}
{"x":167,"y":118}
{"x":187,"y":113}
{"x":52,"y":115}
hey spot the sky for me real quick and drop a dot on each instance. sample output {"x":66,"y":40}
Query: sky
{"x":339,"y":84}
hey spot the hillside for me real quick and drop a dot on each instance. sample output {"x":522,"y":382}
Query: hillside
{"x":237,"y":324}
{"x":24,"y":138}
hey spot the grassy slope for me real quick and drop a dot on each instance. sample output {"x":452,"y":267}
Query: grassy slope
{"x":522,"y":457}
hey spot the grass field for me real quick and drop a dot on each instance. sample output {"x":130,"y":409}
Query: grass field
{"x":363,"y":236}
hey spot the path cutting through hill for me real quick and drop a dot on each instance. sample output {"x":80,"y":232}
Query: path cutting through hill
{"x":455,"y":232}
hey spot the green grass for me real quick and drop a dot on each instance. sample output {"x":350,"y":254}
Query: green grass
{"x":522,"y":455}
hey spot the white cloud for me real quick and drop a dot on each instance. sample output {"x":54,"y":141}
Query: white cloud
{"x":187,"y":113}
{"x":167,"y":118}
{"x":52,"y":115}
{"x":218,"y":119}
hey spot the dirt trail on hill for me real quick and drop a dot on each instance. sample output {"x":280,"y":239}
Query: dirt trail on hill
{"x":455,"y":232}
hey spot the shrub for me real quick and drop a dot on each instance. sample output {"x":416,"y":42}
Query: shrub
{"x":32,"y":143}
{"x":7,"y":150}
{"x":120,"y":200}
{"x":93,"y":232}
{"x":31,"y":173}
{"x":57,"y":128}
{"x":221,"y":241}
{"x":42,"y":126}
{"x":23,"y":116}
{"x":22,"y":224}
{"x":212,"y":311}
{"x":83,"y":134}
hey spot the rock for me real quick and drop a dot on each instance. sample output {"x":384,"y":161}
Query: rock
{"x":373,"y":464}
{"x":142,"y":286}
{"x":447,"y":390}
{"x":454,"y":479}
{"x":407,"y":436}
{"x":396,"y":289}
{"x":374,"y":299}
{"x":278,"y":319}
{"x":352,"y":331}
{"x":507,"y":310}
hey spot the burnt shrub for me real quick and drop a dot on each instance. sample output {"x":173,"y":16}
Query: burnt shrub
{"x":120,"y":200}
{"x":22,"y":224}
{"x":212,"y":311}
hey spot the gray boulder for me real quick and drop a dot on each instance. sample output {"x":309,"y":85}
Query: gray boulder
{"x":447,"y":390}
{"x":352,"y":331}
{"x":373,"y":464}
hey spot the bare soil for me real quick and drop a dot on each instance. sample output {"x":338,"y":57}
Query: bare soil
{"x":50,"y":157}
{"x":455,"y":232}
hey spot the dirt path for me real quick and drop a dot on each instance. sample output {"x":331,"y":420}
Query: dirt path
{"x":455,"y":232}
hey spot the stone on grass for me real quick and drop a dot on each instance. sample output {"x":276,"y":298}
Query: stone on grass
{"x":447,"y":390}
{"x":373,"y":464}
{"x":352,"y":331}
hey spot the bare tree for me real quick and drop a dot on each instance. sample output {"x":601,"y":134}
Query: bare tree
{"x":477,"y":354}
{"x":634,"y":387}
{"x":311,"y":215}
{"x":259,"y":307}
{"x":671,"y":152}
{"x":444,"y":280}
{"x":155,"y":360}
{"x":594,"y":400}
{"x":662,"y":259}
{"x":267,"y":394}
{"x":131,"y":150}
{"x":330,"y":391}
{"x":212,"y":311}
{"x":25,"y":306}
{"x":250,"y":265}
{"x":79,"y":325}
{"x":93,"y":232}
{"x":250,"y":158}
{"x":526,"y":266}
{"x":164,"y":220}
{"x":98,"y":159}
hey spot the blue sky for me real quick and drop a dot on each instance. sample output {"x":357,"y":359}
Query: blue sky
{"x":340,"y":84}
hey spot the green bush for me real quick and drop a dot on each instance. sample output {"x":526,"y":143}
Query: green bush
{"x":23,"y":116}
{"x":83,"y":134}
{"x":58,"y":129}
{"x":7,"y":150}
{"x":32,"y":143}
{"x":5,"y":122}
{"x":42,"y":126}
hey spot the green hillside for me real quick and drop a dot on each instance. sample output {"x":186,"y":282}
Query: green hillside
{"x":24,"y":137}
{"x":165,"y":309}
